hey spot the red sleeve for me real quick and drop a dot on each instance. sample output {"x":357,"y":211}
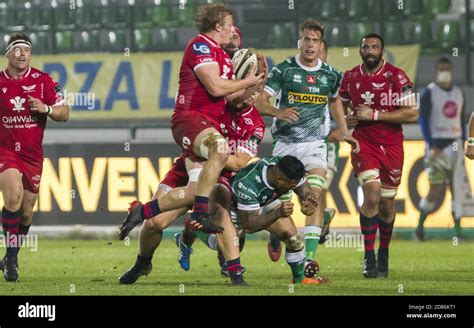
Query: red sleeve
{"x":404,"y":88}
{"x":344,"y":89}
{"x":200,"y":53}
{"x":402,"y":83}
{"x":251,"y":142}
{"x":53,"y":95}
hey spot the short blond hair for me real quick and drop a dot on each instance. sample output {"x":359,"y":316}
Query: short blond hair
{"x":208,"y":16}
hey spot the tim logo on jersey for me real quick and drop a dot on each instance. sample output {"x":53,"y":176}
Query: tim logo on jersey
{"x":201,"y":48}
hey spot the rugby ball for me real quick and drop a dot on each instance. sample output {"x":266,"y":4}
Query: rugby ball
{"x":243,"y":61}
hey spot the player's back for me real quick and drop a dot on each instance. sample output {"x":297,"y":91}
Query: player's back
{"x":251,"y":182}
{"x":383,"y":90}
{"x":192,"y":95}
{"x":244,"y":129}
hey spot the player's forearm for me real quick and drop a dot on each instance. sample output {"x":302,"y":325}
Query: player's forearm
{"x":402,"y":115}
{"x":265,"y":108}
{"x":260,"y":222}
{"x":219,"y":87}
{"x":236,"y":162}
{"x":59,"y":113}
{"x":337,"y":112}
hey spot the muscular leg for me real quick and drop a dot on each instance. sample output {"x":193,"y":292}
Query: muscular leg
{"x":286,"y":231}
{"x":457,"y":220}
{"x":26,"y":213}
{"x":211,"y":142}
{"x":149,"y":239}
{"x":369,"y":223}
{"x":387,"y":220}
{"x":426,"y":206}
{"x":313,"y":223}
{"x":152,"y":230}
{"x":219,"y":208}
{"x":12,"y":190}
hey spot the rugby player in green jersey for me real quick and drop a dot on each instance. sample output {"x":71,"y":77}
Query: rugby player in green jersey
{"x":306,"y":91}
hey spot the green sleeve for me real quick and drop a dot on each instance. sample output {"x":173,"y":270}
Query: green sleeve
{"x":275,"y":81}
{"x":337,"y":84}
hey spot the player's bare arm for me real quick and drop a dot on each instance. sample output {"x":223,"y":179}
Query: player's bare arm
{"x":264,"y":107}
{"x":337,"y":112}
{"x":254,"y":221}
{"x":209,"y":76}
{"x":237,"y":161}
{"x":405,"y":114}
{"x":57,"y":113}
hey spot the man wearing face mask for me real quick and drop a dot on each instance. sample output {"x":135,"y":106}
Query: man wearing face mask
{"x":442,"y":123}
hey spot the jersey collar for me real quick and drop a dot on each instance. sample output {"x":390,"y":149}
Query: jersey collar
{"x":264,"y":177}
{"x":5,"y":73}
{"x":307,"y":68}
{"x":210,"y":40}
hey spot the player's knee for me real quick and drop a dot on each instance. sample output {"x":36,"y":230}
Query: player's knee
{"x":13,"y":197}
{"x":154,"y":225}
{"x":372,"y":199}
{"x":26,"y":213}
{"x":386,"y":209}
{"x":294,"y":242}
{"x":214,"y":147}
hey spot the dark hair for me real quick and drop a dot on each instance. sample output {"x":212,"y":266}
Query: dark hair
{"x":18,"y":36}
{"x":372,"y":36}
{"x":312,"y":24}
{"x":208,"y":16}
{"x":291,"y":167}
{"x":444,"y":60}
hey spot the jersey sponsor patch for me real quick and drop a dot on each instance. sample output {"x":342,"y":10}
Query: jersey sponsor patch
{"x":201,"y":48}
{"x":407,"y":88}
{"x":307,"y":98}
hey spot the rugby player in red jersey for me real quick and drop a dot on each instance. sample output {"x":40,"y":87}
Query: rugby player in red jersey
{"x":244,"y":131}
{"x":205,"y":85}
{"x":28,"y":97}
{"x":382,"y":97}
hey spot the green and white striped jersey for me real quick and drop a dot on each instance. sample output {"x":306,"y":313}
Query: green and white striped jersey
{"x":307,"y":88}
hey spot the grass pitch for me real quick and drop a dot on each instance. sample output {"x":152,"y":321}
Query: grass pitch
{"x":81,"y":267}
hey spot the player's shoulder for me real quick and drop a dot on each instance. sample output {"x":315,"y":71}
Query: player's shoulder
{"x":201,"y":45}
{"x":330,"y":69}
{"x":353,"y":72}
{"x":39,"y":74}
{"x":395,"y":70}
{"x":289,"y":62}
